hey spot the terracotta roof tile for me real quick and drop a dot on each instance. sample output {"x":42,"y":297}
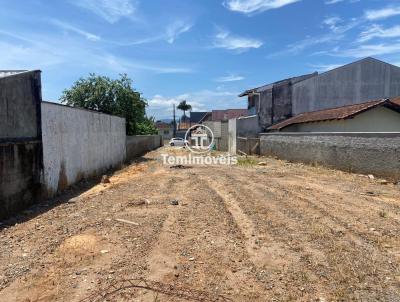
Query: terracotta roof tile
{"x":339,"y":113}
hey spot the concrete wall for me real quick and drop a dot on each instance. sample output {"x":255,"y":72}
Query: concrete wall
{"x":379,"y":119}
{"x":79,"y":143}
{"x":376,"y":154}
{"x":364,"y":80}
{"x":232,"y":134}
{"x":20,"y":172}
{"x":20,"y":97}
{"x":215,"y":127}
{"x":248,"y":126}
{"x":140,"y":144}
{"x":20,"y":141}
{"x":166,"y":133}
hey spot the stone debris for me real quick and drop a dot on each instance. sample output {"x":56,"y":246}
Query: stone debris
{"x":174,"y":202}
{"x":105,"y":179}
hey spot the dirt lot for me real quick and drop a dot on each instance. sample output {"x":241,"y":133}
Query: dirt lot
{"x":278,"y":232}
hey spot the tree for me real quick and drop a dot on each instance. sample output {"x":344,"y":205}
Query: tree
{"x":184,"y":106}
{"x":110,"y":96}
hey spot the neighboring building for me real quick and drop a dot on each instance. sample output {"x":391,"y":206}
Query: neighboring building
{"x":224,"y":115}
{"x":196,"y":117}
{"x":272,"y":103}
{"x":165,"y":129}
{"x":360,"y":81}
{"x":217,"y":121}
{"x":373,"y":116}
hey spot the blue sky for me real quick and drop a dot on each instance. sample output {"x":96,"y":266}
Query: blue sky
{"x":204,"y":51}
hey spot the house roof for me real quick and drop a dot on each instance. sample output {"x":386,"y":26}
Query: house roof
{"x":339,"y":113}
{"x":271,"y":85}
{"x":196,"y":117}
{"x":162,"y":125}
{"x":222,"y":115}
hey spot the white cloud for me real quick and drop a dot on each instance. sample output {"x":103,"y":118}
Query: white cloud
{"x":71,"y":28}
{"x":254,"y":6}
{"x":337,"y":31}
{"x":325,"y":67}
{"x":171,"y":33}
{"x":229,"y":78}
{"x":52,"y":52}
{"x":175,"y":29}
{"x":110,"y":10}
{"x":368,"y":50}
{"x":333,"y":23}
{"x":204,"y":100}
{"x":329,"y":2}
{"x":377,"y":31}
{"x":333,"y":1}
{"x":224,"y":39}
{"x":382,"y":13}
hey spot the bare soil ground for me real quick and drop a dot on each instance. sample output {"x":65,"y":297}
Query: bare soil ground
{"x":279,"y":232}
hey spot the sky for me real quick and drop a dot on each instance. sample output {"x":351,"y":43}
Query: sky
{"x":202,"y":51}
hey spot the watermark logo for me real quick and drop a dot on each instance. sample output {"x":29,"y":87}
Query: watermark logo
{"x":199,"y":139}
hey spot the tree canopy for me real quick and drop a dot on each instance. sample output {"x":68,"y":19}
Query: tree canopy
{"x":111,"y":96}
{"x":184,"y":106}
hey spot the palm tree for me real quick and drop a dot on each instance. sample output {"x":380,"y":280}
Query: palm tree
{"x":184,"y":106}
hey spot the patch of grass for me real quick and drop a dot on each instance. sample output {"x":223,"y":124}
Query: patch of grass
{"x":247,"y":162}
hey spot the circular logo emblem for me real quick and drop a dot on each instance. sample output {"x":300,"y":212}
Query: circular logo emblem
{"x":199,"y":139}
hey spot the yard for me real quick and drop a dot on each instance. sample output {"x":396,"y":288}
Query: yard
{"x":273,"y":232}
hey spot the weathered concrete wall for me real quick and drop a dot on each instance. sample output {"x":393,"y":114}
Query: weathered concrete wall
{"x":377,"y":154}
{"x":20,"y":97}
{"x":20,"y":171}
{"x":79,"y":143}
{"x":248,"y":126}
{"x":232,"y":134}
{"x":355,"y":83}
{"x":20,"y":140}
{"x":215,"y":127}
{"x":379,"y":119}
{"x":140,"y":144}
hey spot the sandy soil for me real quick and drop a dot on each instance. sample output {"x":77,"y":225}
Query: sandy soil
{"x":278,"y":232}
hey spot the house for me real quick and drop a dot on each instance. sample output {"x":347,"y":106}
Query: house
{"x":360,"y":81}
{"x":374,"y":116}
{"x":196,"y":117}
{"x":272,"y":103}
{"x":165,"y":129}
{"x":217,"y":121}
{"x":224,"y":115}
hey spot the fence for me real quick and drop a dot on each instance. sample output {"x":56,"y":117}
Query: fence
{"x":248,"y":145}
{"x":140,"y":144}
{"x":20,"y":141}
{"x":79,"y":143}
{"x":367,"y":153}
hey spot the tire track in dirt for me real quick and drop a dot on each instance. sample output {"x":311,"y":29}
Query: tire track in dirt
{"x":261,"y":256}
{"x":328,"y":242}
{"x":378,"y":203}
{"x":278,"y":243}
{"x":184,"y":253}
{"x":326,"y":209}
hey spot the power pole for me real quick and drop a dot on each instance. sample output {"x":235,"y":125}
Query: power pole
{"x":174,"y":122}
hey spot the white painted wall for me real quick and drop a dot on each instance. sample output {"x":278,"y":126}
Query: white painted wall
{"x":79,"y":143}
{"x":379,"y":119}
